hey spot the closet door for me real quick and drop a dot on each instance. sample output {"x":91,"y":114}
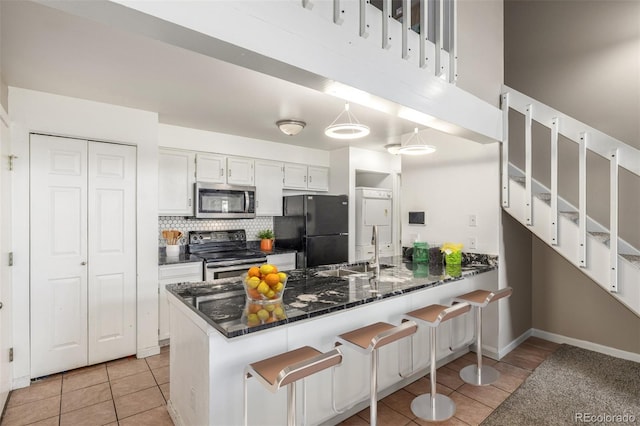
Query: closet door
{"x":58,"y":222}
{"x":112,"y":251}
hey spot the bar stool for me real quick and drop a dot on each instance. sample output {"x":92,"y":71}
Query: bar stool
{"x":367,"y":340}
{"x":477,"y":374}
{"x":433,"y":406}
{"x":285,"y":370}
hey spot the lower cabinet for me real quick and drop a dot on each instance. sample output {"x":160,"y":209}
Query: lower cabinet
{"x":283,"y":261}
{"x":172,"y":274}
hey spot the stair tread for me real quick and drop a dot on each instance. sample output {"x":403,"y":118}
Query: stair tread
{"x":633,"y":258}
{"x":519,"y":179}
{"x":574,"y":216}
{"x":603,"y":237}
{"x":544,"y":196}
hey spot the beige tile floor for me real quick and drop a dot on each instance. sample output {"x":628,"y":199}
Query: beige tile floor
{"x":127,"y":391}
{"x":132,"y":391}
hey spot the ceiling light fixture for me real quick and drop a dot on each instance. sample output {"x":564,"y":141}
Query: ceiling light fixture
{"x":415,"y":146}
{"x":349,"y":129}
{"x":393,"y":148}
{"x":290,"y":127}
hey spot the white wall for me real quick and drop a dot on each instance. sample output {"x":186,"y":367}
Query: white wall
{"x":202,"y":140}
{"x":461,"y":178}
{"x":32,"y":111}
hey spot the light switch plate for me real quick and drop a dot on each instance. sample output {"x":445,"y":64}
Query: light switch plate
{"x":473,"y":220}
{"x":472,"y":243}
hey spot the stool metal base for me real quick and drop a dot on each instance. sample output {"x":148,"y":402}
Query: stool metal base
{"x":443,"y":408}
{"x":487,"y":375}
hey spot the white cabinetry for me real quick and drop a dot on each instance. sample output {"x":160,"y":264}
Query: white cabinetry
{"x":175,"y":182}
{"x":173,"y":274}
{"x":268,"y":183}
{"x":299,"y":176}
{"x":240,"y":171}
{"x":295,"y":176}
{"x":215,"y":168}
{"x":211,"y":168}
{"x":318,"y":178}
{"x":283,"y":261}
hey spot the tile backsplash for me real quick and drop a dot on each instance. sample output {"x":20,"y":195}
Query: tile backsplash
{"x":251,"y":226}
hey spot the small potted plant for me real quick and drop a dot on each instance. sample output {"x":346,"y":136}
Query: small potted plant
{"x":266,"y":239}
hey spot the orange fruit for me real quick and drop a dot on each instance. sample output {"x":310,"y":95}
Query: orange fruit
{"x":270,"y":319}
{"x":272,"y":279}
{"x":253,"y":293}
{"x":254,"y":271}
{"x":253,"y":308}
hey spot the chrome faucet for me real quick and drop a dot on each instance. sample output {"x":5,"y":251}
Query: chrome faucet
{"x":376,"y":249}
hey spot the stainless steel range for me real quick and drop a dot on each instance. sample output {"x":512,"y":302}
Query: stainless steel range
{"x":225,"y":253}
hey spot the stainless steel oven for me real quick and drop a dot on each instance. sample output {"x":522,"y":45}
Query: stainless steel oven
{"x":218,"y":201}
{"x":225,"y":253}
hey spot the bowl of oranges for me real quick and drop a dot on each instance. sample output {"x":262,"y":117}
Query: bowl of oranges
{"x":265,"y":282}
{"x":257,"y":312}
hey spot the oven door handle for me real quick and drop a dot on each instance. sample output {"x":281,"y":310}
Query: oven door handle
{"x":236,"y":265}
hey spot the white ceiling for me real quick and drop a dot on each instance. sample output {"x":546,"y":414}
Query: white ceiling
{"x":48,"y":50}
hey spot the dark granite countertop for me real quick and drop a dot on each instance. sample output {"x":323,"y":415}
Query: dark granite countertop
{"x":309,"y":293}
{"x":184,"y":257}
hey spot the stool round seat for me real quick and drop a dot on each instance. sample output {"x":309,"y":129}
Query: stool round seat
{"x":477,"y":374}
{"x":368,"y":340}
{"x":286,"y":369}
{"x":433,"y":406}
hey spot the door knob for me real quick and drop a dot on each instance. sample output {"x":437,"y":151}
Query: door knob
{"x":83,"y":263}
{"x":1,"y":305}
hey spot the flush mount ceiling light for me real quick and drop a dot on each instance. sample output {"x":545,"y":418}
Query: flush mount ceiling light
{"x":393,"y":148}
{"x":415,"y":146}
{"x":291,"y":127}
{"x":348,"y":128}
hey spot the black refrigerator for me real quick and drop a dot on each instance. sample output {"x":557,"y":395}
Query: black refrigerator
{"x":316,"y":226}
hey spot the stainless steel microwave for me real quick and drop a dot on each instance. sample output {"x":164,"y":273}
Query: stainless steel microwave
{"x":219,"y":201}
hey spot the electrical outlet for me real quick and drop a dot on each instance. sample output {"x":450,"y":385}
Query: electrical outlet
{"x":472,"y":243}
{"x":473,"y":220}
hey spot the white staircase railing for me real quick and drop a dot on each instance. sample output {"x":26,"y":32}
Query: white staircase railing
{"x":616,"y":152}
{"x":423,"y":32}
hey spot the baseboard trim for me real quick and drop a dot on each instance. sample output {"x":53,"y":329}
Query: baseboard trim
{"x":177,"y":420}
{"x":153,"y":350}
{"x":20,"y":382}
{"x":596,"y":347}
{"x":514,"y":343}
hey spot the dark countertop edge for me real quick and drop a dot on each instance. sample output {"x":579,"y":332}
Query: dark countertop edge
{"x":262,"y":327}
{"x":186,"y":257}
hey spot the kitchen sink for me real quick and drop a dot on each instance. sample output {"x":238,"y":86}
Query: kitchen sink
{"x":350,"y":270}
{"x":336,"y":273}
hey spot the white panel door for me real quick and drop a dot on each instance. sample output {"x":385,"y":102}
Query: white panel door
{"x":295,"y":176}
{"x":112,"y":251}
{"x":5,"y":269}
{"x":58,"y":222}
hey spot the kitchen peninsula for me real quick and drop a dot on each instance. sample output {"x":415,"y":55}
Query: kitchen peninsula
{"x":211,"y":344}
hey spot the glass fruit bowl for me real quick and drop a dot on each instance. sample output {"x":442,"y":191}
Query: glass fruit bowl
{"x":257,"y":312}
{"x":264,"y":282}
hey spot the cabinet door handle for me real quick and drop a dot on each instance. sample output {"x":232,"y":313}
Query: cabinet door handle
{"x":229,"y":172}
{"x":310,"y":179}
{"x":221,"y":172}
{"x":83,"y":263}
{"x":189,"y":202}
{"x":305,"y":178}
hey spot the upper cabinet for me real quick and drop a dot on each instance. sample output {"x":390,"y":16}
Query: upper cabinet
{"x":215,"y":168}
{"x":211,"y":168}
{"x":240,"y":171}
{"x":299,"y":176}
{"x":175,"y":182}
{"x":318,"y":178}
{"x":269,"y":181}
